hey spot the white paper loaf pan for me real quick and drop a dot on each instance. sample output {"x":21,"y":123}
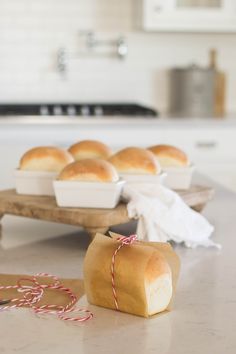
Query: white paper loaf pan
{"x":34,"y":182}
{"x":79,"y":194}
{"x":179,"y":177}
{"x":139,"y":181}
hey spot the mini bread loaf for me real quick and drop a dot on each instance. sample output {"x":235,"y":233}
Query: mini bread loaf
{"x":145,"y":275}
{"x":169,"y":156}
{"x":133,"y":160}
{"x":89,"y":170}
{"x":87,"y":149}
{"x":45,"y":158}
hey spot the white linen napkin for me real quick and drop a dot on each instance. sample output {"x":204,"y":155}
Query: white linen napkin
{"x":164,"y":216}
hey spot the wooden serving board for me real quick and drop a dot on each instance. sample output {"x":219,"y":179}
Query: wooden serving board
{"x":92,"y":220}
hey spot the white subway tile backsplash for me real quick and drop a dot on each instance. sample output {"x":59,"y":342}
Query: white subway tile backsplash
{"x":31,"y":31}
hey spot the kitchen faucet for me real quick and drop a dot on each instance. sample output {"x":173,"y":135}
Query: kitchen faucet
{"x":117,"y":47}
{"x":92,"y":42}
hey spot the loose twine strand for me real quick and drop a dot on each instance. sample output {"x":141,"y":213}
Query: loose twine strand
{"x":33,"y":293}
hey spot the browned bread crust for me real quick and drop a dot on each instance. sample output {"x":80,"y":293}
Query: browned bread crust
{"x":168,"y":154}
{"x":135,"y":160}
{"x":94,"y":170}
{"x":89,"y":149}
{"x":45,"y":158}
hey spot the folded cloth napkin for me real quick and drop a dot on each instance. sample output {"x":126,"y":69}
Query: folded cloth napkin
{"x":164,"y":216}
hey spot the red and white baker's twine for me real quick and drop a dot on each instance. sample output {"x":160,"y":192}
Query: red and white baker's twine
{"x":33,"y":293}
{"x":123,"y":241}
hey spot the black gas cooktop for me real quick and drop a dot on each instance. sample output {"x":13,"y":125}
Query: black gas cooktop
{"x":82,"y":109}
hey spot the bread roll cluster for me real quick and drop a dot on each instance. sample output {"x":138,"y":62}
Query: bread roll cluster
{"x":84,"y":161}
{"x":91,"y":160}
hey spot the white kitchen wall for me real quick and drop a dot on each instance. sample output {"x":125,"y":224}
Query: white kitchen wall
{"x":31,"y":31}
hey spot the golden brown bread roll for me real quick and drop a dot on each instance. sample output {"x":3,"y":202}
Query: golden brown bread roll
{"x":45,"y":158}
{"x":135,"y":160}
{"x":169,"y":156}
{"x":143,"y":276}
{"x":89,"y":149}
{"x":93,"y":170}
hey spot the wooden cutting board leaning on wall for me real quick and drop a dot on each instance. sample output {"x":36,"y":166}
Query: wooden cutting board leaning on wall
{"x":220,"y":86}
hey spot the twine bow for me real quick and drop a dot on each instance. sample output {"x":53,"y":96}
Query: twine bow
{"x":34,"y":292}
{"x":123,"y":241}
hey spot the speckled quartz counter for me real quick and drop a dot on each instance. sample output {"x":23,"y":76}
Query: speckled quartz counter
{"x":202,"y":322}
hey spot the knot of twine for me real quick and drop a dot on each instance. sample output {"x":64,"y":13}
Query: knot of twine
{"x":123,"y":241}
{"x":34,"y":292}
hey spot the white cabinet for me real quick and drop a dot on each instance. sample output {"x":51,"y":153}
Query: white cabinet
{"x":213,"y":151}
{"x":189,"y":15}
{"x":223,"y":173}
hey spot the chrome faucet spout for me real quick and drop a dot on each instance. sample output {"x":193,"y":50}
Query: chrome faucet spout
{"x":122,"y":47}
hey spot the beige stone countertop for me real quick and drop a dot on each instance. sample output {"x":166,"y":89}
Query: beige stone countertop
{"x":202,"y":322}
